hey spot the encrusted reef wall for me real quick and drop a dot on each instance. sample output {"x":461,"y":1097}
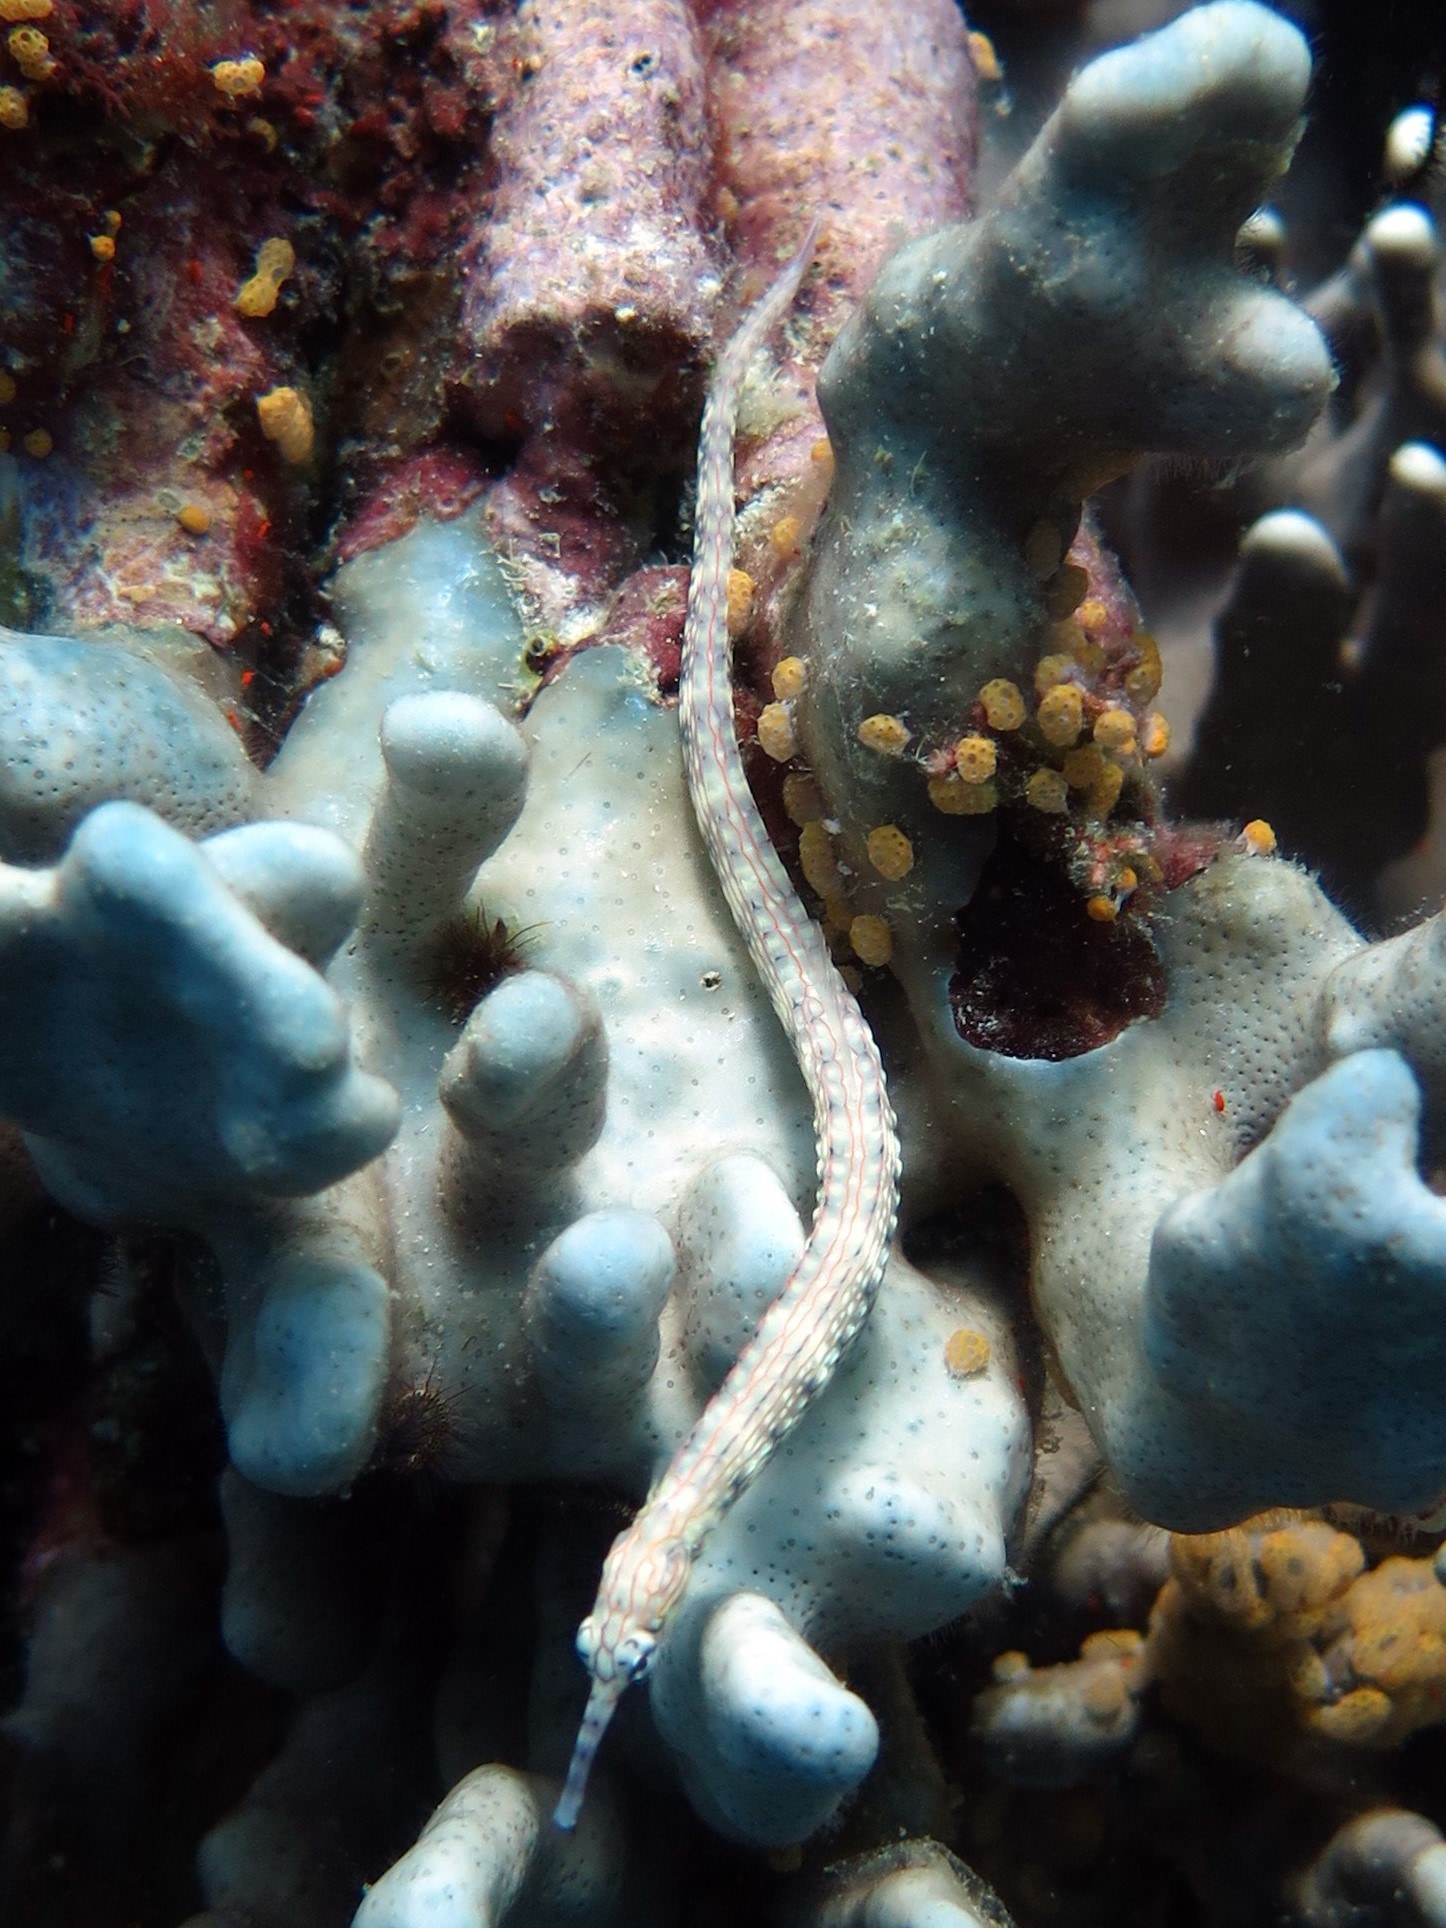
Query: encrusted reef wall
{"x":398,"y":1148}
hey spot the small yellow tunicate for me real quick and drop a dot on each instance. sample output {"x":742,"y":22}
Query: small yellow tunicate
{"x":1060,"y":715}
{"x":775,"y":732}
{"x":1104,"y":793}
{"x":1083,"y":766}
{"x":112,"y":220}
{"x":890,"y":852}
{"x":1259,"y":838}
{"x":872,"y":940}
{"x":889,"y":735}
{"x":1013,"y":1665}
{"x":956,"y":798}
{"x":801,"y":798}
{"x":740,"y":601}
{"x":966,"y":1352}
{"x":1154,"y":734}
{"x":26,"y":9}
{"x":1043,"y":549}
{"x":39,"y":442}
{"x":1115,"y":731}
{"x":822,"y":452}
{"x":264,"y":132}
{"x":1086,"y":652}
{"x":1003,"y":704}
{"x":1092,"y":613}
{"x":986,"y":60}
{"x":102,"y":246}
{"x":30,"y":50}
{"x":1050,"y":670}
{"x":194,"y":518}
{"x":238,"y":79}
{"x":783,"y":537}
{"x":975,"y":758}
{"x":1143,"y":681}
{"x":1127,"y":880}
{"x":7,"y":388}
{"x":285,"y":418}
{"x":275,"y":259}
{"x":789,"y":676}
{"x":1101,"y":909}
{"x":14,"y":112}
{"x":1046,"y":790}
{"x":817,"y":861}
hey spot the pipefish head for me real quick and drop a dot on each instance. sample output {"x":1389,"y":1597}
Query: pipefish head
{"x":642,"y":1581}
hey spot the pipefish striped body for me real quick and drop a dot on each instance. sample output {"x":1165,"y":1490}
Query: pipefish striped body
{"x":807,"y":1330}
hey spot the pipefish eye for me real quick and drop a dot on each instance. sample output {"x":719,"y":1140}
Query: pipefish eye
{"x":635,"y":1656}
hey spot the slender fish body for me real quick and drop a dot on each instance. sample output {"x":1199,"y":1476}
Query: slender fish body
{"x":810,"y":1326}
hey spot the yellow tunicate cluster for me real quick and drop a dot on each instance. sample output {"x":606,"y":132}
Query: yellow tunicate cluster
{"x":956,"y":798}
{"x":1046,"y":790}
{"x":1259,"y":838}
{"x":1271,"y":1636}
{"x":102,"y":246}
{"x":872,"y":940}
{"x":890,"y":852}
{"x":975,"y":759}
{"x":888,"y":735}
{"x":966,"y":1352}
{"x":275,"y":259}
{"x":285,"y":418}
{"x":1115,"y":731}
{"x":1091,"y":613}
{"x":194,"y":518}
{"x":238,"y":79}
{"x":789,"y":677}
{"x":1003,"y":704}
{"x":775,"y":732}
{"x":14,"y":112}
{"x":740,"y":601}
{"x":817,"y":861}
{"x":26,"y":9}
{"x":1060,"y":715}
{"x":1101,"y":910}
{"x":802,"y":799}
{"x":30,"y":50}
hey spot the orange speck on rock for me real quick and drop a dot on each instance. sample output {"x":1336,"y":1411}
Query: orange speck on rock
{"x":102,"y":246}
{"x":194,"y":518}
{"x":1258,"y":837}
{"x":966,"y":1352}
{"x":1101,"y":910}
